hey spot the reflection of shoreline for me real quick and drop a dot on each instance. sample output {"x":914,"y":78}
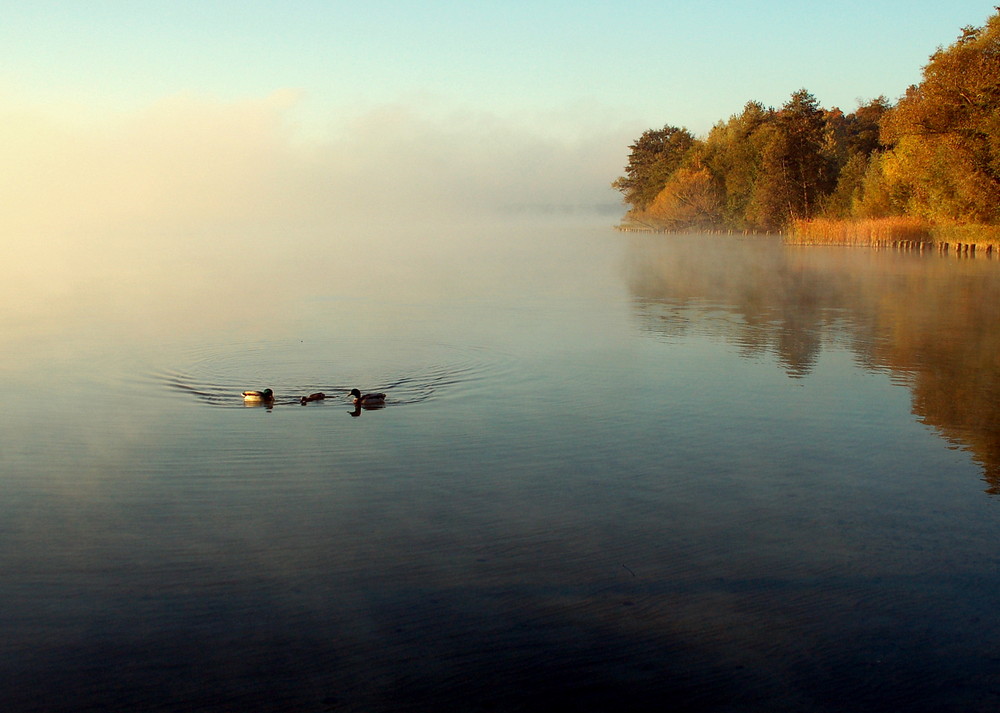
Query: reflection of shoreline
{"x":926,"y":320}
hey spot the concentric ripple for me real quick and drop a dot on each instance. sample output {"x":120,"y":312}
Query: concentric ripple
{"x":409,"y":373}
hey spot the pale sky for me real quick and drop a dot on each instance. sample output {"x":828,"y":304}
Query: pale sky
{"x":544,"y":92}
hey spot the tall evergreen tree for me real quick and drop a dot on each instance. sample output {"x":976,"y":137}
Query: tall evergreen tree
{"x":796,"y":170}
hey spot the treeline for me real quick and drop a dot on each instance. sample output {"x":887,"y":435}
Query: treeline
{"x":934,"y":155}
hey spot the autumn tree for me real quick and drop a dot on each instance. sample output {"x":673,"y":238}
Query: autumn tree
{"x":733,"y":153}
{"x":652,"y":159}
{"x":691,"y":199}
{"x":854,"y":143}
{"x":883,"y":191}
{"x":797,"y":171}
{"x":946,"y":131}
{"x":863,"y":127}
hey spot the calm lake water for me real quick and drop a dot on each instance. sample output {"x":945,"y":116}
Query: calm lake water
{"x":615,"y":472}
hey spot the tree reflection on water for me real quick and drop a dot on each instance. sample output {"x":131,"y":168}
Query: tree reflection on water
{"x":929,"y":320}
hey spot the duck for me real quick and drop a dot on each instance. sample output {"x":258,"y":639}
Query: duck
{"x":368,"y":399}
{"x":318,"y":396}
{"x":265,"y":397}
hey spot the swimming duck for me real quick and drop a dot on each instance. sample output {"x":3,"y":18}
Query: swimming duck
{"x":318,"y":396}
{"x":367,"y":399}
{"x":266,"y":396}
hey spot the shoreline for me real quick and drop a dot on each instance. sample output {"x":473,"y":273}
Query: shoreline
{"x":880,"y":234}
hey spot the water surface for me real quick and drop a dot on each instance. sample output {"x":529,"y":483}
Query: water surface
{"x":614,"y":472}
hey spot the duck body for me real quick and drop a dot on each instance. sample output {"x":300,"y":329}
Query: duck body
{"x":318,"y":396}
{"x":376,"y":399}
{"x":265,"y":397}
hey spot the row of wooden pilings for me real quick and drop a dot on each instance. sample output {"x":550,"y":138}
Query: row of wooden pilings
{"x":666,"y":231}
{"x":970,"y":249}
{"x":942,"y":247}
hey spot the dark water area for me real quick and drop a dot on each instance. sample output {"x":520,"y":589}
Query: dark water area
{"x":613,"y":472}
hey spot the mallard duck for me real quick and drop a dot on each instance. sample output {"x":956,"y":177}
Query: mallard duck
{"x":266,"y":396}
{"x":318,"y":396}
{"x":367,"y":399}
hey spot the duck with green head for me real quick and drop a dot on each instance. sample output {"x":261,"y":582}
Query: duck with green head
{"x":262,"y":397}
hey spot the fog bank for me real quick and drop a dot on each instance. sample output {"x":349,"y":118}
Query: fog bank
{"x":197,"y":211}
{"x":190,"y":161}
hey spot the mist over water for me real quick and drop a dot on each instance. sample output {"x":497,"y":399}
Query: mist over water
{"x":144,"y":218}
{"x":612,"y":470}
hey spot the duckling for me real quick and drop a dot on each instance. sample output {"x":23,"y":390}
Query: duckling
{"x":368,"y":399}
{"x":265,"y":397}
{"x":318,"y":396}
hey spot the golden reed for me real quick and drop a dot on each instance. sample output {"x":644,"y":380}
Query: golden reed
{"x":873,"y":232}
{"x":897,"y":232}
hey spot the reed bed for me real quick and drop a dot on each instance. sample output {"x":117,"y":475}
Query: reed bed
{"x":880,"y":232}
{"x":898,"y":232}
{"x":980,"y":235}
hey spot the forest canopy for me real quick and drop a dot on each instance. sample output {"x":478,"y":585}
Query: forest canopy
{"x":933,"y":155}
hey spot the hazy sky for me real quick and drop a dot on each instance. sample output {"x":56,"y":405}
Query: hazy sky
{"x":472,"y":101}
